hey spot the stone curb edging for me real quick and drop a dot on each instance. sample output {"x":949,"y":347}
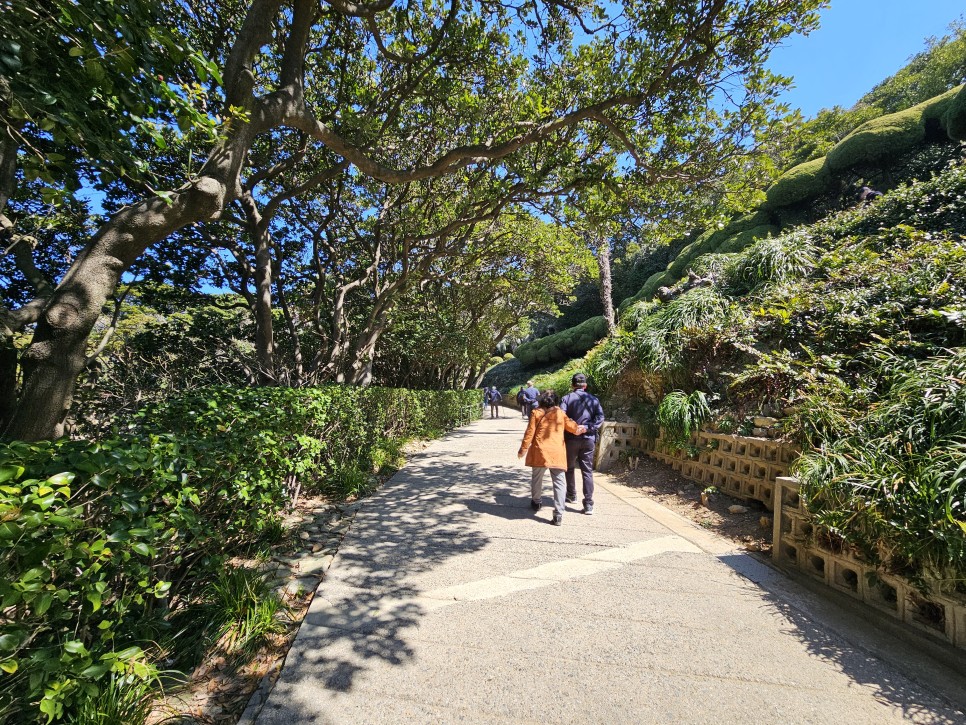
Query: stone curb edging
{"x":318,"y":562}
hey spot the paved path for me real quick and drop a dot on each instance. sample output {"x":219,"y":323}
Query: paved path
{"x":449,"y":601}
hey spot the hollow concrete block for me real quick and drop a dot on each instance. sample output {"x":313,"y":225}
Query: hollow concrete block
{"x":816,"y":563}
{"x":846,"y":576}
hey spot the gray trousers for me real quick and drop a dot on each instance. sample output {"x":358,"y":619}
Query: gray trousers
{"x":559,"y":478}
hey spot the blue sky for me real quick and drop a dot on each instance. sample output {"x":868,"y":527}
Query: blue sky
{"x":859,"y":43}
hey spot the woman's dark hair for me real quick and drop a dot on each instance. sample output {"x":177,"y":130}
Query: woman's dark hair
{"x":549,"y":399}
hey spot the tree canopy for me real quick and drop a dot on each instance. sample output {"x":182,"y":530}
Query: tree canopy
{"x":208,"y":125}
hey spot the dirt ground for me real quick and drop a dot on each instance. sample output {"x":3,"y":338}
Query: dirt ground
{"x":751,"y":529}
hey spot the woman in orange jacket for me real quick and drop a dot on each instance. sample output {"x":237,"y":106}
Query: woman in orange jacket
{"x":543,"y":445}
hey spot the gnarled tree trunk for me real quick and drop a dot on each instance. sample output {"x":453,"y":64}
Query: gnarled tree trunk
{"x":58,"y":351}
{"x":264,"y":323}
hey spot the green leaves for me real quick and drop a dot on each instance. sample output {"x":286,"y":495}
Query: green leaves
{"x":94,"y":534}
{"x":86,"y":79}
{"x":681,"y":415}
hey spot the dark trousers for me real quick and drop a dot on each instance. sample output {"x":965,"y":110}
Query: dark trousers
{"x":580,"y":454}
{"x":494,"y":410}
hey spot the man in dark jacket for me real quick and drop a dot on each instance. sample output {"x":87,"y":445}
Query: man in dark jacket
{"x":584,"y":409}
{"x":492,"y":397}
{"x":530,"y":395}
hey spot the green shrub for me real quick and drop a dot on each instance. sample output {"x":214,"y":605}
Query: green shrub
{"x":954,"y":120}
{"x":891,"y":482}
{"x":88,"y":556}
{"x":103,"y":543}
{"x":708,"y":241}
{"x":888,"y":136}
{"x":559,"y":380}
{"x":565,"y":345}
{"x":799,"y":183}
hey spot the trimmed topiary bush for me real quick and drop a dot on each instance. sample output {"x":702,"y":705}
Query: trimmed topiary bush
{"x":748,"y":221}
{"x":799,"y":183}
{"x":564,"y":345}
{"x":739,"y":241}
{"x":887,"y":136}
{"x":954,"y":120}
{"x":647,"y":290}
{"x":708,"y":241}
{"x":705,"y":243}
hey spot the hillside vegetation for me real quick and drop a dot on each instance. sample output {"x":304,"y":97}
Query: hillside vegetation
{"x":848,"y":324}
{"x":909,"y":144}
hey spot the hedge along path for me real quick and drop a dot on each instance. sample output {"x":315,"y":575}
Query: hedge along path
{"x":219,"y":691}
{"x":450,"y":600}
{"x":104,"y":539}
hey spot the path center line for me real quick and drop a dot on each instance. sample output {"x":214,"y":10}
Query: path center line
{"x":558,"y":571}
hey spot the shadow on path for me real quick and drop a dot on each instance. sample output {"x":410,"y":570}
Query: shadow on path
{"x":426,"y":515}
{"x":424,"y":533}
{"x":835,"y":634}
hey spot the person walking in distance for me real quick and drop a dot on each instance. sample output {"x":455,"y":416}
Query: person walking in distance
{"x":530,"y":394}
{"x":493,"y":398}
{"x":543,"y":445}
{"x":581,"y":406}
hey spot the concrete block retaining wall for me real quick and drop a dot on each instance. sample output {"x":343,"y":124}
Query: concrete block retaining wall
{"x":797,"y":544}
{"x":757,"y":469}
{"x":740,"y":466}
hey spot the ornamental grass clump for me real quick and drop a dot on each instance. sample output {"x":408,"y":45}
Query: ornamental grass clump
{"x":243,"y":612}
{"x":123,"y":699}
{"x":773,"y":259}
{"x":607,"y":361}
{"x":892,"y":481}
{"x":664,"y":342}
{"x":681,"y":416}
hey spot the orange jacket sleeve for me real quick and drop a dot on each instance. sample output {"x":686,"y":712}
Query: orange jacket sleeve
{"x":531,"y":431}
{"x":570,"y":425}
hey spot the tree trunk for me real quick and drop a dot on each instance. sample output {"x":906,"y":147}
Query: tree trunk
{"x":298,"y":371}
{"x":57,"y":353}
{"x":8,"y":149}
{"x":606,"y":292}
{"x":360,"y":368}
{"x":264,"y":322}
{"x":8,"y":380}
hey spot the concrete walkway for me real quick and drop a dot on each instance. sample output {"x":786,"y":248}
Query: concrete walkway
{"x":450,"y":601}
